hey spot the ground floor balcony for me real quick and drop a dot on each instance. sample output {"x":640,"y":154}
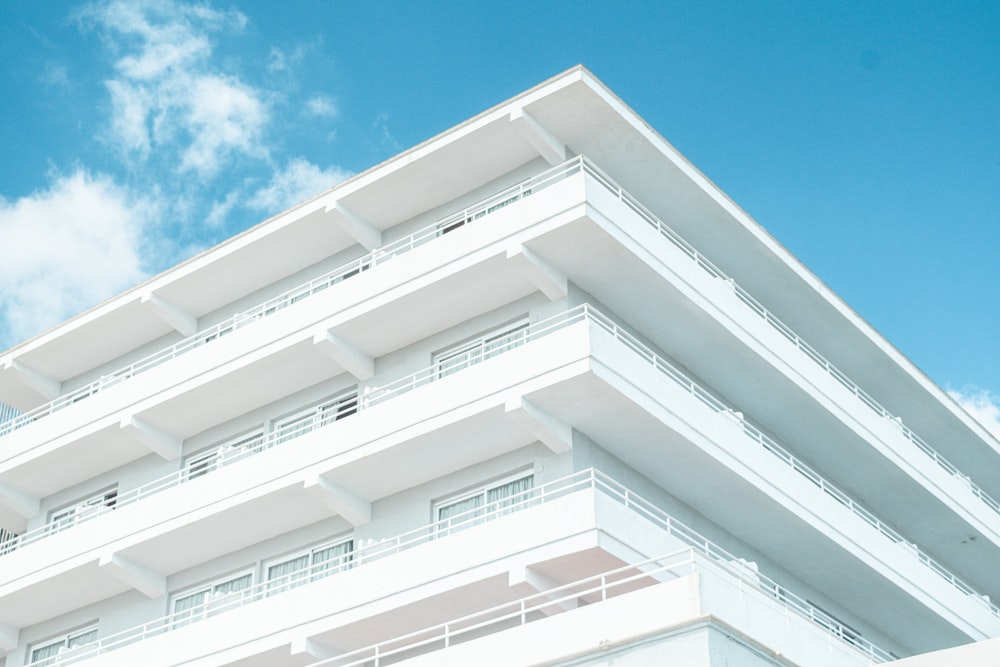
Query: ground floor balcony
{"x":577,"y":373}
{"x":577,"y":545}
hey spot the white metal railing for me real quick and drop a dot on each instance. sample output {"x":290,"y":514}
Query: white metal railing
{"x":594,"y":589}
{"x":346,"y":405}
{"x":585,"y":480}
{"x":786,"y":331}
{"x":349,"y":403}
{"x":783,"y":454}
{"x":11,"y":420}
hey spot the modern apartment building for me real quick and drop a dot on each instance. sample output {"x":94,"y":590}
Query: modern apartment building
{"x":534,"y":392}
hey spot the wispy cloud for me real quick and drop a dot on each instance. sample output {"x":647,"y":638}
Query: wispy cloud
{"x":297,"y":181}
{"x":196,"y":152}
{"x":66,"y":248}
{"x":168,"y":94}
{"x":983,"y":405}
{"x":383,"y":135}
{"x":321,"y":106}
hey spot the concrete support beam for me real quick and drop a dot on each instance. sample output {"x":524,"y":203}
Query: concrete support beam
{"x":312,"y":650}
{"x":354,"y":226}
{"x":151,"y":584}
{"x":354,"y":361}
{"x":355,"y":509}
{"x":48,"y":387}
{"x":547,"y":145}
{"x":8,"y":637}
{"x":154,"y":438}
{"x":550,"y":280}
{"x":527,"y":576}
{"x":555,"y":433}
{"x":19,"y":502}
{"x":181,"y":320}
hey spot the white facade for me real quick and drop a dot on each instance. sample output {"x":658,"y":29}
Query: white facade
{"x":533,"y":392}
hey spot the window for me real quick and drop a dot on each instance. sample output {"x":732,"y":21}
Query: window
{"x":8,"y":541}
{"x":228,"y":452}
{"x":47,"y":653}
{"x":467,"y":509}
{"x":342,"y":406}
{"x":66,"y":517}
{"x":460,"y":220}
{"x":468,"y":354}
{"x":308,"y":566}
{"x":213,"y":597}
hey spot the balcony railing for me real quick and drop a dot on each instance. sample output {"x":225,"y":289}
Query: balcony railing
{"x":786,"y":331}
{"x":468,"y":215}
{"x":348,"y":405}
{"x":11,"y":420}
{"x":590,"y":479}
{"x":594,"y":589}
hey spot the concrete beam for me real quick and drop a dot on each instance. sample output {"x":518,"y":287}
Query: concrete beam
{"x":354,"y":226}
{"x":178,"y":318}
{"x":149,"y":583}
{"x":550,"y":280}
{"x":22,"y":503}
{"x":309,"y":648}
{"x":8,"y":637}
{"x":555,"y":433}
{"x":525,"y":575}
{"x":48,"y":387}
{"x":154,"y":438}
{"x":354,"y":361}
{"x":355,"y":509}
{"x":547,"y":145}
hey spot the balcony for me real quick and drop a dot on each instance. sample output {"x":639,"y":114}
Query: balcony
{"x":578,"y":368}
{"x":586,"y":528}
{"x":611,"y":234}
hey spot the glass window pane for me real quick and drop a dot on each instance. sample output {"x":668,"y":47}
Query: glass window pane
{"x":83,"y":638}
{"x":283,"y":575}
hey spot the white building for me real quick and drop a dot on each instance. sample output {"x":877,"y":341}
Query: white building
{"x":533,"y":392}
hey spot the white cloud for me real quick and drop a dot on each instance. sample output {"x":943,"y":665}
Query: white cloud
{"x":383,"y":134}
{"x":280,"y":60}
{"x":224,"y":116}
{"x":65,"y":249}
{"x":194,"y":136}
{"x":299,"y":180}
{"x":167,"y":95}
{"x":982,"y":405}
{"x":321,"y":106}
{"x":132,"y":107}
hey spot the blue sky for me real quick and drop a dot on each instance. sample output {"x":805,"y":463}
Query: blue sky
{"x":862,"y":135}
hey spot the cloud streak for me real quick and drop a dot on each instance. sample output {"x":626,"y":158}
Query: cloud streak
{"x":983,"y":405}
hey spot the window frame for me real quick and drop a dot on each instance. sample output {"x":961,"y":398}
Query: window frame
{"x":481,"y":490}
{"x":347,"y":558}
{"x":341,"y":405}
{"x":64,"y":640}
{"x":204,"y":608}
{"x":210,"y":457}
{"x":68,"y":515}
{"x":480,"y":341}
